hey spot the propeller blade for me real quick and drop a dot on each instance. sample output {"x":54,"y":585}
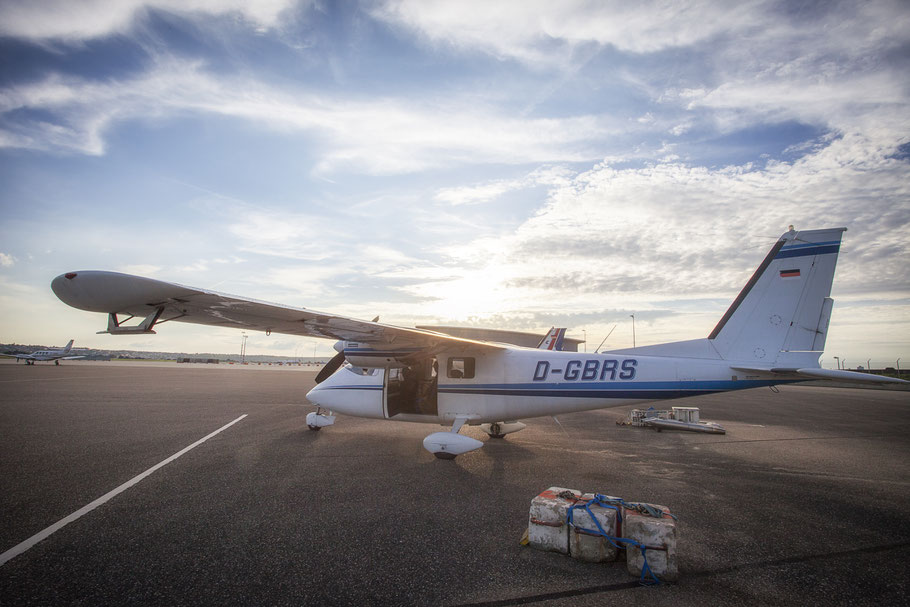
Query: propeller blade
{"x":330,"y":367}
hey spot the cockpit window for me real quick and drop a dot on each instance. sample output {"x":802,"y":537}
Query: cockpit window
{"x":359,"y":370}
{"x":460,"y":368}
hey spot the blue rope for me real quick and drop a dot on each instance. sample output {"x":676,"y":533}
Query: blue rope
{"x":615,"y":503}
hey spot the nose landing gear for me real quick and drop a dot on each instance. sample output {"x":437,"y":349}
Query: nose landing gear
{"x":317,"y":420}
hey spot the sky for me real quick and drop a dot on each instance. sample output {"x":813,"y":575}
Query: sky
{"x":510,"y":165}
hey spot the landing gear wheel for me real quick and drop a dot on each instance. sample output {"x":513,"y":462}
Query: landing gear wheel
{"x":443,"y":455}
{"x":314,"y":428}
{"x":496,"y":431}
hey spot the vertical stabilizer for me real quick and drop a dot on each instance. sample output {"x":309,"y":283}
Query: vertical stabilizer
{"x":782,"y":313}
{"x":553,"y":340}
{"x":68,"y":347}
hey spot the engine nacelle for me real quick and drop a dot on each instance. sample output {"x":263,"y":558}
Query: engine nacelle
{"x":369,"y":357}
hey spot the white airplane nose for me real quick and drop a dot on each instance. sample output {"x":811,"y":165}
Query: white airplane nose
{"x":314,"y":395}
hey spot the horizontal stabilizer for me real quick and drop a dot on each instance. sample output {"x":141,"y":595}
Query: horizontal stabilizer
{"x":835,"y":374}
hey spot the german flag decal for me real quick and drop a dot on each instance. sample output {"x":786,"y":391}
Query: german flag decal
{"x":789,"y":273}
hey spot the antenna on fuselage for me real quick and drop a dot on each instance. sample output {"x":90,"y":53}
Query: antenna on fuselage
{"x":604,"y":340}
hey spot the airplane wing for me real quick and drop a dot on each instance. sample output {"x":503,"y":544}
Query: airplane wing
{"x":816,"y":373}
{"x":157,"y":301}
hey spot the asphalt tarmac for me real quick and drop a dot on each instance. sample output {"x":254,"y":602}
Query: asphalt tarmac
{"x":805,"y":500}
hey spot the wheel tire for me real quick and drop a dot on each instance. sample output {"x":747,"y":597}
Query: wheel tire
{"x":314,"y":428}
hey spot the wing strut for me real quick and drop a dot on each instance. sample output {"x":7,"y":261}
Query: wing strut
{"x":115,"y":326}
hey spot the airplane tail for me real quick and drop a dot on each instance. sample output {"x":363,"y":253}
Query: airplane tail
{"x":553,"y":340}
{"x":781,"y":316}
{"x":68,"y":347}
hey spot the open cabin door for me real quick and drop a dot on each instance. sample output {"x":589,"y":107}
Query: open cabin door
{"x":411,"y":390}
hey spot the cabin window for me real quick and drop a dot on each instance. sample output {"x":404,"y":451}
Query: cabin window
{"x":460,"y":368}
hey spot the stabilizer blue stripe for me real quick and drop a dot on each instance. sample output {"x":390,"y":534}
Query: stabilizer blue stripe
{"x":806,"y":245}
{"x":805,"y":252}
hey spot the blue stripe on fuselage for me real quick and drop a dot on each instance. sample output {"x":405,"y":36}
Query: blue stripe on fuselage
{"x":638,"y":390}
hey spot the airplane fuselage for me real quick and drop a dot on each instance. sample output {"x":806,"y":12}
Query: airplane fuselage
{"x":522,"y":383}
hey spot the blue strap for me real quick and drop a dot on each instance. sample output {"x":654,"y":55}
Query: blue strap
{"x":615,"y":503}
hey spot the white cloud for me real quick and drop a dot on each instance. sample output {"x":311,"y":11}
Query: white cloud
{"x":379,"y":136}
{"x":492,"y":190}
{"x":761,"y":61}
{"x":70,"y":20}
{"x":7,"y":260}
{"x":140,"y":269}
{"x":655,"y":238}
{"x":544,"y":32}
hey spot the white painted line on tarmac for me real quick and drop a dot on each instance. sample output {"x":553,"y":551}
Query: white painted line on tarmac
{"x":23,"y":546}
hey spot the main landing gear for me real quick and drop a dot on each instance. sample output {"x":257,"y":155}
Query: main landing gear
{"x":448,"y":445}
{"x":500,"y":429}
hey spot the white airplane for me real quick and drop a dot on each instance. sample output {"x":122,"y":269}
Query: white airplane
{"x":46,"y":355}
{"x":553,"y":340}
{"x":773,"y":333}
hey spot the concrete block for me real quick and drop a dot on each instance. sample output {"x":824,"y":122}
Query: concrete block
{"x":547,"y":529}
{"x":659,"y":535}
{"x":587,"y":546}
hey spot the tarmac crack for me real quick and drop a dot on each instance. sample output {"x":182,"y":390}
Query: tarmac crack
{"x":550,"y":596}
{"x":704,"y":573}
{"x":798,"y":559}
{"x":798,"y":438}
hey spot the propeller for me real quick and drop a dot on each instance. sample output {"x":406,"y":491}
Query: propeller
{"x":333,"y":364}
{"x":330,"y":367}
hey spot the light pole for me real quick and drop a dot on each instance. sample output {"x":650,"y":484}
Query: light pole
{"x":837,"y":358}
{"x":586,"y":339}
{"x":243,"y":348}
{"x":633,"y":329}
{"x":868,"y":364}
{"x":898,"y":368}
